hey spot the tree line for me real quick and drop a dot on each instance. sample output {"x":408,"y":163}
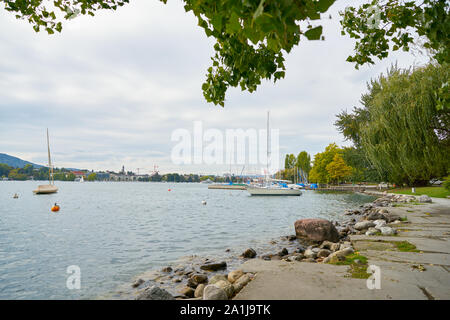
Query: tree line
{"x":400,"y":133}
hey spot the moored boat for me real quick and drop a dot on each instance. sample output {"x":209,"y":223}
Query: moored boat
{"x":50,"y":187}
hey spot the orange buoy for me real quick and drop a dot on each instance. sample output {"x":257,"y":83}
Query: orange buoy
{"x":55,"y":208}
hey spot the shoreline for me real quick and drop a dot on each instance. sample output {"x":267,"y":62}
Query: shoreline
{"x":176,"y":278}
{"x":413,"y":263}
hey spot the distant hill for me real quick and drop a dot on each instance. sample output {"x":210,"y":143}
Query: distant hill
{"x":16,"y":162}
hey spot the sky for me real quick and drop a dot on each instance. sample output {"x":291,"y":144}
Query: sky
{"x":113,"y":88}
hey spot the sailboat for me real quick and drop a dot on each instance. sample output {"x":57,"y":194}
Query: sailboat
{"x":269,"y":188}
{"x":50,"y":187}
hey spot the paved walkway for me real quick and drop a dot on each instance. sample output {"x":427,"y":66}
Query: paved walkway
{"x":404,"y":275}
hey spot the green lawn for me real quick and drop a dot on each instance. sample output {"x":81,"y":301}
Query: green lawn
{"x":436,"y":192}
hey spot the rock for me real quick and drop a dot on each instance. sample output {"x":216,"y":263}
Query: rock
{"x":226,"y":286}
{"x":217,"y":277}
{"x":316,"y":230}
{"x":379,"y":223}
{"x":292,"y":238}
{"x":338,"y":255}
{"x":234,"y":275}
{"x":137,"y":283}
{"x":309,"y":254}
{"x":335,"y":246}
{"x":212,"y":292}
{"x":323,"y":253}
{"x":372,"y":231}
{"x":241,"y":282}
{"x":383,"y":211}
{"x":283,"y":252}
{"x":199,"y":290}
{"x":267,"y":257}
{"x":424,"y":198}
{"x":299,"y":257}
{"x":249,"y":253}
{"x":326,"y":245}
{"x":362,"y":225}
{"x":390,"y":217}
{"x":166,"y":269}
{"x":308,"y":260}
{"x":375,"y":216}
{"x":388,"y":231}
{"x":198,"y":278}
{"x":214,"y":266}
{"x":154,"y":293}
{"x":188,"y":292}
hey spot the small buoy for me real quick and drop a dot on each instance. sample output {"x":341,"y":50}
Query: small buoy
{"x":15,"y":196}
{"x":204,"y":202}
{"x":55,"y":208}
{"x":169,"y":190}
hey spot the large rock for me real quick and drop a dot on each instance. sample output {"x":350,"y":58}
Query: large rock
{"x":226,"y":286}
{"x":424,"y":198}
{"x":212,"y":266}
{"x":212,"y":292}
{"x":155,"y":293}
{"x":234,"y":275}
{"x":362,"y":225}
{"x":316,"y":230}
{"x":241,"y":282}
{"x":199,"y":290}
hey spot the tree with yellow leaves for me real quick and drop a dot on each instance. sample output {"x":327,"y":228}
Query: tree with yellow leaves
{"x":338,"y":169}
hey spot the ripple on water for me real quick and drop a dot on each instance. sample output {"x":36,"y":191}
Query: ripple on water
{"x":115,"y":231}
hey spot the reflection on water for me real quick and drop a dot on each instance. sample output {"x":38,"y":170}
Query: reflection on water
{"x":114,"y":231}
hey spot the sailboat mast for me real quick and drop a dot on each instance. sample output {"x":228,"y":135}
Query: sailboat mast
{"x":50,"y":172}
{"x":268,"y":146}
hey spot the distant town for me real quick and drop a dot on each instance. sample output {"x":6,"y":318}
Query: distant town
{"x":28,"y":172}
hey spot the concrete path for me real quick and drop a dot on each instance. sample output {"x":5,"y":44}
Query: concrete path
{"x":404,"y":275}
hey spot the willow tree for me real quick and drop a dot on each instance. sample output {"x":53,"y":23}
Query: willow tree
{"x":403,"y":127}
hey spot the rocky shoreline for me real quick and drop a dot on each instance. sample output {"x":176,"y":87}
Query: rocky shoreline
{"x":315,"y":241}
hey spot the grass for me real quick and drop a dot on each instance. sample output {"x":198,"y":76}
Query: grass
{"x":435,"y":192}
{"x":404,"y":218}
{"x":405,"y":246}
{"x":357,"y":264}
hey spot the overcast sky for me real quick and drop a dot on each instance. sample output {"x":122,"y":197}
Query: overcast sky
{"x":112,"y":88}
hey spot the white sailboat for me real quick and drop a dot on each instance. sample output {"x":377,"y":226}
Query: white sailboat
{"x":270,"y":189}
{"x":50,"y":187}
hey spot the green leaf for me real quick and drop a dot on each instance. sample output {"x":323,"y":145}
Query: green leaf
{"x":233,"y":24}
{"x":323,"y":5}
{"x":259,"y":10}
{"x":314,"y":33}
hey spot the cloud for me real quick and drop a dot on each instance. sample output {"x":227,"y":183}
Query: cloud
{"x":112,"y":89}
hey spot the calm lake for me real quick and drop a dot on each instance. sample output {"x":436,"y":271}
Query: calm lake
{"x":116,"y":230}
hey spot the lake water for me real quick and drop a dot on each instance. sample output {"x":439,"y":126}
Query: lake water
{"x":116,"y":230}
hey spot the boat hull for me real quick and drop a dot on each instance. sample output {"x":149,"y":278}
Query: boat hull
{"x":45,"y":189}
{"x":227,"y":186}
{"x":255,"y":191}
